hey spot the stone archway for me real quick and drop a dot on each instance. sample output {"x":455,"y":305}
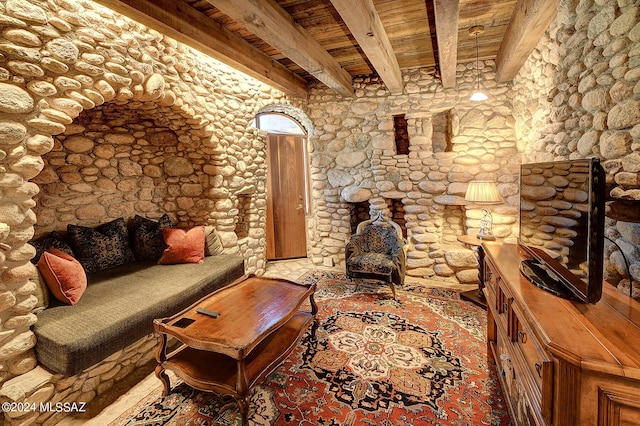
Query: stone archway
{"x":121,"y":159}
{"x":293,"y":112}
{"x":293,"y":199}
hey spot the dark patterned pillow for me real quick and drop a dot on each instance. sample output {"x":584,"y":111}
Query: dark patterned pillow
{"x":103,"y":247}
{"x":147,"y":240}
{"x":51,"y":240}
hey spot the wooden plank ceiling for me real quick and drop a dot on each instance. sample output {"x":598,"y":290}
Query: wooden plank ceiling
{"x":290,"y":43}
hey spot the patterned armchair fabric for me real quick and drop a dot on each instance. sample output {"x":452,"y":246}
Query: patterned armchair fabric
{"x":377,"y":251}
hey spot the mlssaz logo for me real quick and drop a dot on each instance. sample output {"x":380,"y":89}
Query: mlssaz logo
{"x":63,"y":407}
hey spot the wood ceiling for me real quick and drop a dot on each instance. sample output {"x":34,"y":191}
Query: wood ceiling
{"x":290,"y":43}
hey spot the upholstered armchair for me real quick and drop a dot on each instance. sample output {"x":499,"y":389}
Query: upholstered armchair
{"x":377,"y":251}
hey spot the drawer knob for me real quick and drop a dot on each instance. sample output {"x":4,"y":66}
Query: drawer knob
{"x":539,"y":369}
{"x":522,"y":336}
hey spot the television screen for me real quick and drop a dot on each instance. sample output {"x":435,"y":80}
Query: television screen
{"x":562,"y":226}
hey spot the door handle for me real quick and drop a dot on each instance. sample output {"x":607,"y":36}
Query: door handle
{"x":300,"y":207}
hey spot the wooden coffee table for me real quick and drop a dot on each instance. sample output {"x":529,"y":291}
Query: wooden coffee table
{"x":260,"y":323}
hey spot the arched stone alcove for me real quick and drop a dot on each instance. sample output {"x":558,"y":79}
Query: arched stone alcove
{"x":121,"y":160}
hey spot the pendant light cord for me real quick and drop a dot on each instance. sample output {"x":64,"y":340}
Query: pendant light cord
{"x":477,"y":66}
{"x":475,"y":31}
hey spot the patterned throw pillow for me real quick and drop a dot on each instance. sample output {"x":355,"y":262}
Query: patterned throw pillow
{"x":45,"y":243}
{"x":103,"y":247}
{"x":147,"y":240}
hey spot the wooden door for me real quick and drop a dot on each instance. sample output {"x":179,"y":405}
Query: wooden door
{"x":286,"y":197}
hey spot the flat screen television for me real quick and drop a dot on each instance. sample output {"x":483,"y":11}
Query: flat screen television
{"x":562,"y":227}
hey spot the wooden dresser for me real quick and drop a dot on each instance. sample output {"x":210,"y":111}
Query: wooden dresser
{"x":561,"y":362}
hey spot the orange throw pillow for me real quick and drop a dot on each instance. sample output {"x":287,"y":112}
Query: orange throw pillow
{"x":183,"y":246}
{"x":64,"y":275}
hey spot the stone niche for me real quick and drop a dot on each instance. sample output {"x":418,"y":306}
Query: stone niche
{"x":358,"y":212}
{"x":121,"y":160}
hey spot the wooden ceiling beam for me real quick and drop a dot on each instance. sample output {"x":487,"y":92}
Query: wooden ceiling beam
{"x":364,"y":23}
{"x":446,"y":15}
{"x":529,"y":21}
{"x":267,"y":20}
{"x":186,"y":25}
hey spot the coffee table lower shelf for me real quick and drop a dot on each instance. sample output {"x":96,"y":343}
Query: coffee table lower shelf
{"x":216,"y":372}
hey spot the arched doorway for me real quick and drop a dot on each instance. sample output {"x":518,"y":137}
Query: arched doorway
{"x":287,"y":186}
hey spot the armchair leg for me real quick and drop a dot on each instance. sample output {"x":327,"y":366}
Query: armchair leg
{"x":393,"y":290}
{"x":358,"y":281}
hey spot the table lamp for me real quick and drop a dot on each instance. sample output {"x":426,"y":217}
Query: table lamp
{"x":484,"y":192}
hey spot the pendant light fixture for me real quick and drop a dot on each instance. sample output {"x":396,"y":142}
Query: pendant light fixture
{"x":478,"y":95}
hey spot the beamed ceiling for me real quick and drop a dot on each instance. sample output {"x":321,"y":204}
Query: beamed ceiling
{"x":290,"y":43}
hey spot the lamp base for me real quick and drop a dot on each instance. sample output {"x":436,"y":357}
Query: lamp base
{"x":486,"y":232}
{"x":486,"y":237}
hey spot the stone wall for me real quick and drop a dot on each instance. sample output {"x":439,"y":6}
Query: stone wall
{"x":121,"y":160}
{"x":101,"y":117}
{"x":354,"y":159}
{"x":40,"y":386}
{"x":578,"y":96}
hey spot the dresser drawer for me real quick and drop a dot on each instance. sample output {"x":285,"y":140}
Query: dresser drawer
{"x":526,"y":343}
{"x":492,"y":282}
{"x":538,"y":364}
{"x":522,"y":408}
{"x":490,"y":276}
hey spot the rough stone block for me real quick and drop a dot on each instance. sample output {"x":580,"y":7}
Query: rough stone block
{"x":17,"y":388}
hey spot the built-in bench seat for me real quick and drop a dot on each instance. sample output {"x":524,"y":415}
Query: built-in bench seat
{"x":118,"y":308}
{"x":100,"y":288}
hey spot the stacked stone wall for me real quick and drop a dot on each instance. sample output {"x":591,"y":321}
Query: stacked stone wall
{"x":74,"y":79}
{"x":578,"y":96}
{"x":121,"y":160}
{"x":354,"y":159}
{"x":77,"y":392}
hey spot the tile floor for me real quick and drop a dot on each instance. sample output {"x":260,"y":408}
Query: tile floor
{"x":128,"y":393}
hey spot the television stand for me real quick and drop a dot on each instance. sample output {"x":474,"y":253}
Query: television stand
{"x":560,"y":362}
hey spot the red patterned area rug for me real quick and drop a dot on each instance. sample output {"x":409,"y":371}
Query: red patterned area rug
{"x":420,"y":360}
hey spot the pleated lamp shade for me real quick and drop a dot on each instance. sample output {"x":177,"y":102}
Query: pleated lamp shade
{"x":483,"y":192}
